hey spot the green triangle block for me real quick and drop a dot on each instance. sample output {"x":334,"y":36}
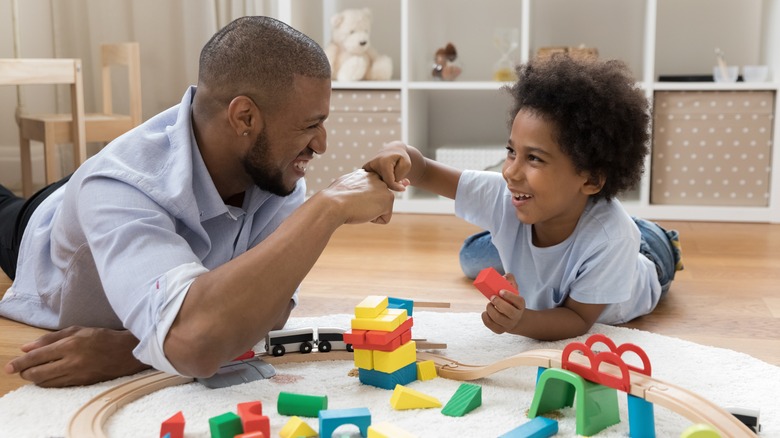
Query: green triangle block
{"x":467,"y":398}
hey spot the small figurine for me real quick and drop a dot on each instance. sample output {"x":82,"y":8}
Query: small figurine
{"x":444,"y":66}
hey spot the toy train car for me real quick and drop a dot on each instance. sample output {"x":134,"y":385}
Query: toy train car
{"x":303,"y":340}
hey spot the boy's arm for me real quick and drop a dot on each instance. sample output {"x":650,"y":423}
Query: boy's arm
{"x":508,"y":314}
{"x":399,"y":165}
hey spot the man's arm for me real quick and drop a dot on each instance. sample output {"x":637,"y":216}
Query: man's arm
{"x":229,"y":309}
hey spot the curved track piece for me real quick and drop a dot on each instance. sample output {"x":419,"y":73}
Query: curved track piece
{"x":88,"y":421}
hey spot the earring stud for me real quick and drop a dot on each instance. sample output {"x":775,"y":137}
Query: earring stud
{"x":246,"y":133}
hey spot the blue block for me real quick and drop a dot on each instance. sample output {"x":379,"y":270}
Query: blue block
{"x":641,"y":420}
{"x":539,"y":427}
{"x":402,"y":376}
{"x":400,"y":303}
{"x":331,"y":419}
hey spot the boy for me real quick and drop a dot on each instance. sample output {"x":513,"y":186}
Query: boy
{"x":579,"y":135}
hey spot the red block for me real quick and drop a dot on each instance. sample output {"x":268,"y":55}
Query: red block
{"x":252,"y":418}
{"x":490,"y":282}
{"x":251,"y":435}
{"x":355,"y":337}
{"x":173,"y":426}
{"x":377,"y":337}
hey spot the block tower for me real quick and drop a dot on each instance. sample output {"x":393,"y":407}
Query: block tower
{"x":381,"y":336}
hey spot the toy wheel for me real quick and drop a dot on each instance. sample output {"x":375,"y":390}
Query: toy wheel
{"x":306,"y":347}
{"x":324,"y":347}
{"x":350,"y":348}
{"x":278,"y":350}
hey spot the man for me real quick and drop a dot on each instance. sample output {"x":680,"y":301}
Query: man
{"x":182,"y":243}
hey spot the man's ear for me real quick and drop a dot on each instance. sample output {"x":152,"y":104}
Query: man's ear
{"x":244,"y":116}
{"x":593,"y":184}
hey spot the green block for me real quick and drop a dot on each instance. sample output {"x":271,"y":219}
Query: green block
{"x":467,"y":398}
{"x":226,"y":425}
{"x":301,"y":405}
{"x":596,"y":405}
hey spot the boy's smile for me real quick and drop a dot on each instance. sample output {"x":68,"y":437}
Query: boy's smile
{"x":547,"y":191}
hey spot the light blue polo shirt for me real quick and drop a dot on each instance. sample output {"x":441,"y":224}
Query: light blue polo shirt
{"x":120,"y":243}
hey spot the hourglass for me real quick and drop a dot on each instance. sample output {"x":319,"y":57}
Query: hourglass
{"x":506,"y":40}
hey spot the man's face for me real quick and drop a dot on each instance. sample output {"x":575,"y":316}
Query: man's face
{"x":290,"y":138}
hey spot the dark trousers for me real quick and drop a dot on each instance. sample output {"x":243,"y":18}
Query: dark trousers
{"x":15,"y":213}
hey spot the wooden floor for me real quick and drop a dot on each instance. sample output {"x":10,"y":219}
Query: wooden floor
{"x":727,"y":296}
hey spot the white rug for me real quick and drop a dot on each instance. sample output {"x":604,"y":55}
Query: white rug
{"x":723,"y":376}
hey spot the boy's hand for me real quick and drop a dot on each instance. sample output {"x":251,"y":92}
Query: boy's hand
{"x":504,"y":311}
{"x":392,"y":164}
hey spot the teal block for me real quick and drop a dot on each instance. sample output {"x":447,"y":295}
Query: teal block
{"x":641,"y":419}
{"x":402,"y":376}
{"x":331,"y":419}
{"x":539,"y":427}
{"x":400,"y":303}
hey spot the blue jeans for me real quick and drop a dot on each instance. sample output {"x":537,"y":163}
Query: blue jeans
{"x":478,"y":253}
{"x":660,"y":246}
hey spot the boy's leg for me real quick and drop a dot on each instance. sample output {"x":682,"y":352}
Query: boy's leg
{"x":478,"y":253}
{"x":662,"y":247}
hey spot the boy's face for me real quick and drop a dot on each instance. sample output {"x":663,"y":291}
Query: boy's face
{"x":546,"y":189}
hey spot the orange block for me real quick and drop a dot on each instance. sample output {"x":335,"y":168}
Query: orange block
{"x":378,"y":337}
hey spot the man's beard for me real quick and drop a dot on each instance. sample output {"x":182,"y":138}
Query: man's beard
{"x":262,"y":172}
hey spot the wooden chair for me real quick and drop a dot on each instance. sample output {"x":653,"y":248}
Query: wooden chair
{"x":53,"y":129}
{"x":42,"y":72}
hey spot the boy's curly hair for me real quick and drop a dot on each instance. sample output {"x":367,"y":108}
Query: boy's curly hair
{"x":600,"y":115}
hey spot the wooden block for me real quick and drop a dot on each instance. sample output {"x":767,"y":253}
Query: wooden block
{"x":387,"y":430}
{"x":467,"y":398}
{"x":407,"y":398}
{"x":490,"y":282}
{"x":364,"y":359}
{"x":539,"y":427}
{"x":387,"y":321}
{"x":295,"y":428}
{"x":173,"y":426}
{"x":378,"y":337}
{"x":389,"y":361}
{"x":382,"y":380}
{"x":252,"y":418}
{"x":371,"y":306}
{"x":226,"y":425}
{"x":426,"y":370}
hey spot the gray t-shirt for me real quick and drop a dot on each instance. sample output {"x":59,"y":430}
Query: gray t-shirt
{"x":599,"y":263}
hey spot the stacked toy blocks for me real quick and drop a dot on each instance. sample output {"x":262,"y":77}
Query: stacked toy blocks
{"x":381,"y":336}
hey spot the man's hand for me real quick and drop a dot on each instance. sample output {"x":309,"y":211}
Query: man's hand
{"x":505,"y":310}
{"x":77,"y":356}
{"x":363,"y":197}
{"x":392,"y":164}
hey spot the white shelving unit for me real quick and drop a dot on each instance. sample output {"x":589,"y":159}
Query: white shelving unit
{"x":654,"y":37}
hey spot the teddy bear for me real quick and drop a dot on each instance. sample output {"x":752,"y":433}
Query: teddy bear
{"x":350,"y":53}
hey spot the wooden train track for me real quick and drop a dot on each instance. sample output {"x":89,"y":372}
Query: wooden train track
{"x":686,"y":403}
{"x":89,"y":420}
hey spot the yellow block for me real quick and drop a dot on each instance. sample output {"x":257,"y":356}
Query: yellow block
{"x":364,"y":359}
{"x":387,"y":321}
{"x":407,"y":398}
{"x":426,"y":370}
{"x":392,"y":361}
{"x":296,"y":427}
{"x":388,"y":430}
{"x":371,"y":306}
